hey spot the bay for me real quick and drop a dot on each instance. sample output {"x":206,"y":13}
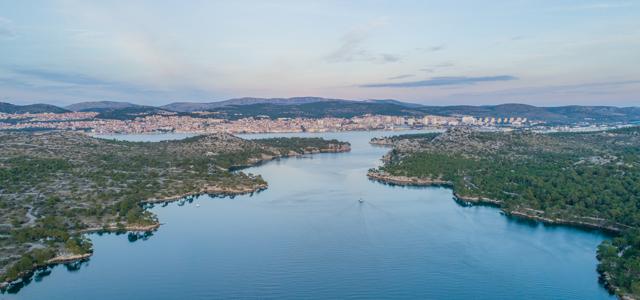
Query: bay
{"x":308,"y":236}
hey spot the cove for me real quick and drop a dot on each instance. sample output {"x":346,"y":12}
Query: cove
{"x":307,"y":236}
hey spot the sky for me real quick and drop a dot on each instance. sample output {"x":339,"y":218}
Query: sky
{"x":539,"y":52}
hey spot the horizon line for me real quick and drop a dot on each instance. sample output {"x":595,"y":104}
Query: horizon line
{"x":7,"y":101}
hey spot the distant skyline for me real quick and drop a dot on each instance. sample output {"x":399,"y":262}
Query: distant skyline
{"x":544,"y":53}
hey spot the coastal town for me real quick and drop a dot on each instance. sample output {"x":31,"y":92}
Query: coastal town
{"x":194,"y":123}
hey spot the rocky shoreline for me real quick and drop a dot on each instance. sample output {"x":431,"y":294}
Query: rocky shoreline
{"x":127,"y":228}
{"x":603,"y":225}
{"x":405,"y":180}
{"x":477,"y":200}
{"x":530,"y":214}
{"x":65,"y":259}
{"x":266,"y":158}
{"x":72,"y":258}
{"x":381,"y":141}
{"x":242,"y":190}
{"x":212,"y":190}
{"x":605,"y":279}
{"x":527,"y":214}
{"x":60,"y":259}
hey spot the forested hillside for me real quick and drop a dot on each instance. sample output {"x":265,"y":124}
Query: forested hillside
{"x":583,"y":179}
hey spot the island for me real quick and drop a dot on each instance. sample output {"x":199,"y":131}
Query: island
{"x":589,"y":180}
{"x":55,"y":186}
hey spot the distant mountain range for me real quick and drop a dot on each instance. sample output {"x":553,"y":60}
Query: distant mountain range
{"x":316,"y":107}
{"x":194,"y":106}
{"x":99,"y":106}
{"x":116,"y":110}
{"x":32,"y":108}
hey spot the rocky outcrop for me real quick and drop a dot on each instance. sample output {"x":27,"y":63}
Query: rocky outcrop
{"x":68,"y":258}
{"x":605,"y":278}
{"x":331,"y":148}
{"x":127,"y":227}
{"x":405,"y":180}
{"x":336,"y":148}
{"x":214,"y":190}
{"x":583,"y":222}
{"x":477,"y":200}
{"x":381,"y":141}
{"x":60,"y":259}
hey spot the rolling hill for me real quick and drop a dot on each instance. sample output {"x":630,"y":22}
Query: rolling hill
{"x":338,"y":109}
{"x":9,"y":108}
{"x":195,"y":106}
{"x":99,"y":106}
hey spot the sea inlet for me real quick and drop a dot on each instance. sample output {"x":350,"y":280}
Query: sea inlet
{"x":309,"y":236}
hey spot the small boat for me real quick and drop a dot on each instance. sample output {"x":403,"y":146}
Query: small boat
{"x":360,"y":200}
{"x":197,"y":205}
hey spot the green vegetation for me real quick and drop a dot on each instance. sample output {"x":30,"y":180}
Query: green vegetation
{"x":620,"y":261}
{"x":420,"y":137}
{"x":586,"y":179}
{"x":299,"y":144}
{"x":54,"y":185}
{"x":324,"y":109}
{"x":28,"y":261}
{"x":428,"y":136}
{"x":31,"y":108}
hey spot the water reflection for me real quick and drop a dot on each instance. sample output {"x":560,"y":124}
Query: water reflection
{"x":76,"y":265}
{"x":135,"y":236}
{"x":42,"y":273}
{"x":39,"y":274}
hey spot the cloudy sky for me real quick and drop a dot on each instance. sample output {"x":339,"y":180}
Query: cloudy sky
{"x":540,"y":52}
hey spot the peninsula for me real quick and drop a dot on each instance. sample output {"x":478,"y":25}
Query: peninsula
{"x":581,"y":179}
{"x":54,"y":186}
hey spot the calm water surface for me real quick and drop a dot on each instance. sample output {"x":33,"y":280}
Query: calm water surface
{"x":308,"y":237}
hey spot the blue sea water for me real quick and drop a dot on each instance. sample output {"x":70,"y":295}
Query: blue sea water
{"x":308,"y":237}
